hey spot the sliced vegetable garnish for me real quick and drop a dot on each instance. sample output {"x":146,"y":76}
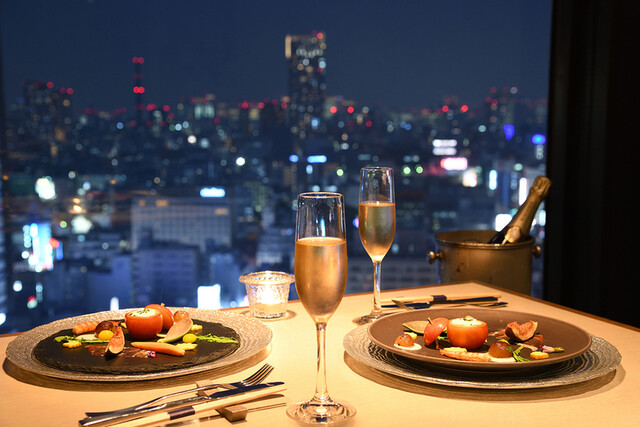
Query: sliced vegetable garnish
{"x":416,"y":326}
{"x":187,"y":346}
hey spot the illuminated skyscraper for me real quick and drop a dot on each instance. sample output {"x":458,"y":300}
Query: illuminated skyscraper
{"x":138,"y":88}
{"x":48,"y":113}
{"x":307,"y":65}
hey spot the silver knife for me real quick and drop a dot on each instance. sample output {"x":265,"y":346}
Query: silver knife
{"x":119,"y":416}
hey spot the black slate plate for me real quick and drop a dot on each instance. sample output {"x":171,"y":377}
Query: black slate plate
{"x":54,"y":354}
{"x":255,"y":336}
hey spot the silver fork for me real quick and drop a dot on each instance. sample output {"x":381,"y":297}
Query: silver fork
{"x":256,"y":378}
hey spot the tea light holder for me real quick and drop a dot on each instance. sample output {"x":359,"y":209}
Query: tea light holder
{"x":268,"y":293}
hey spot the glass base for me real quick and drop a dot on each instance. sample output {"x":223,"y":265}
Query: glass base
{"x":368,"y":318}
{"x":314,"y":412}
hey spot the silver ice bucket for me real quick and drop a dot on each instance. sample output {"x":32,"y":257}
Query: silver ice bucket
{"x":465,"y":256}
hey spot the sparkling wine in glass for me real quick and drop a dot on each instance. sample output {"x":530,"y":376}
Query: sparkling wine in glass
{"x":321,"y":278}
{"x":377,"y":224}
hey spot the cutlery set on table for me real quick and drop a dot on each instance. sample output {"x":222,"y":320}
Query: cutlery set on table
{"x":392,"y":305}
{"x":225,"y":398}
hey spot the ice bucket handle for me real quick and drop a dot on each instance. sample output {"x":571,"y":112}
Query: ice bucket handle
{"x":537,"y":251}
{"x":433,"y":256}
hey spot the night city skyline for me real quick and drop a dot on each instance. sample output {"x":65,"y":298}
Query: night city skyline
{"x":407,"y":57}
{"x":103,"y":182}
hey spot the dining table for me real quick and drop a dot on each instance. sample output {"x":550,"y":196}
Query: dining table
{"x":603,"y":390}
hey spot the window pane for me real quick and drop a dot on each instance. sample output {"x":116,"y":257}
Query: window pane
{"x":155,"y":149}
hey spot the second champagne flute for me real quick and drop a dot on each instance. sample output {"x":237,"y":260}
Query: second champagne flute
{"x":377,"y":224}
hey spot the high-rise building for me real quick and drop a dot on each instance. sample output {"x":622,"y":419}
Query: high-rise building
{"x":167,"y":273}
{"x":307,"y":66}
{"x":189,"y":221}
{"x":48,"y":113}
{"x":138,"y":88}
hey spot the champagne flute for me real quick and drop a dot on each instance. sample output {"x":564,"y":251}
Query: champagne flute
{"x":321,"y":278}
{"x":376,"y":224}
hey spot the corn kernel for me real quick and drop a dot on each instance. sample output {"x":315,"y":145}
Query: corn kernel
{"x":72,"y":344}
{"x":539,"y":355}
{"x":189,"y":338}
{"x":105,"y":335}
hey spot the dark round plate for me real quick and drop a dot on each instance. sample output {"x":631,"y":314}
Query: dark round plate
{"x":52,"y":353}
{"x":556,"y":333}
{"x":254,"y":338}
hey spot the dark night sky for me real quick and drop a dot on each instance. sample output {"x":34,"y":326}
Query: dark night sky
{"x":399,"y":53}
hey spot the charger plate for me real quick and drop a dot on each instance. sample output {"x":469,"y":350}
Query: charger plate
{"x":600,"y":359}
{"x":254,"y":336}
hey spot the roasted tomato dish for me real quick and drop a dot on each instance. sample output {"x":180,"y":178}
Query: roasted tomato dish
{"x":456,"y":337}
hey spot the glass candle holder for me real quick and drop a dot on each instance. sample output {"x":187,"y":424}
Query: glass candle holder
{"x":268,"y":293}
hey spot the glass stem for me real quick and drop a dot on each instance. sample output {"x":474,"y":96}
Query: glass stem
{"x":322,"y":394}
{"x":377,"y":308}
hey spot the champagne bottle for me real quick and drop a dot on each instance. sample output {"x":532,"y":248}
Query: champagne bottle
{"x":519,"y":226}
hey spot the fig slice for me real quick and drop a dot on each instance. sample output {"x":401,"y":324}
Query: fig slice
{"x":521,"y":332}
{"x":116,"y":343}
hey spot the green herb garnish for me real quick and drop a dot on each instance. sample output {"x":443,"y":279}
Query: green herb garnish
{"x":65,"y":338}
{"x":516,"y":354}
{"x":215,"y":338}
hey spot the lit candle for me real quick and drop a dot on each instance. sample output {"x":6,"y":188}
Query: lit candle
{"x":268,"y":292}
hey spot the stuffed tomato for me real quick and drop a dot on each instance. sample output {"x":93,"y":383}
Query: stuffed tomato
{"x":467,"y":332}
{"x":144,"y":323}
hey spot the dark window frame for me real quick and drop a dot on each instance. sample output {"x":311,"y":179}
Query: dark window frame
{"x":589,"y":232}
